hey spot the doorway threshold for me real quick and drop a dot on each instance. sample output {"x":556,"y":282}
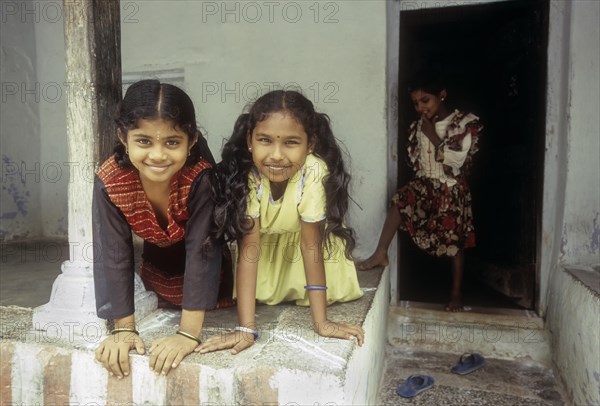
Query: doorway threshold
{"x":470,"y":310}
{"x":495,"y":332}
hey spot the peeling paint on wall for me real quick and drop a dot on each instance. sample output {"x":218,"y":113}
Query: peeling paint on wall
{"x":16,"y":202}
{"x":581,"y":240}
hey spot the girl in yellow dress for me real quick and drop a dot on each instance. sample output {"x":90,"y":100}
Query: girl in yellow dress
{"x":282,"y":194}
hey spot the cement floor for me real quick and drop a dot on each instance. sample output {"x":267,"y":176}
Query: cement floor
{"x":28,"y":269}
{"x":498,"y":383}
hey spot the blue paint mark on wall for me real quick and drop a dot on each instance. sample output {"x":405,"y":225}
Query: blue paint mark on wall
{"x":13,"y":184}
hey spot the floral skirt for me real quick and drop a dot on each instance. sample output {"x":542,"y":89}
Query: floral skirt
{"x":438,"y":217}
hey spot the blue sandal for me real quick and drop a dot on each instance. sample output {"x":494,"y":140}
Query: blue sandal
{"x":468,"y":363}
{"x":414,"y":385}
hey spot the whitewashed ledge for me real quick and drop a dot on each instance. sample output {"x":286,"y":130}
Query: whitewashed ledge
{"x":288,"y":365}
{"x":572,"y":318}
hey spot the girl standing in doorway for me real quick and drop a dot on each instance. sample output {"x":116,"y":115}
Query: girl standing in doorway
{"x":435,"y":207}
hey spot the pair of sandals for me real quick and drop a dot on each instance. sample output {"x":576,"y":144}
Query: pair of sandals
{"x":415,"y":384}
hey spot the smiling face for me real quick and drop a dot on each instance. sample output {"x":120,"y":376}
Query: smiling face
{"x":157,"y":150}
{"x":429,"y":104}
{"x":279,"y":146}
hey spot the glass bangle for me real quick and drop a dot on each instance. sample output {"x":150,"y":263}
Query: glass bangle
{"x":188,"y":335}
{"x":315,"y":287}
{"x":255,"y":333}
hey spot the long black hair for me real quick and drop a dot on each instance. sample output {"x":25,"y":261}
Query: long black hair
{"x":149,"y":99}
{"x":231,"y":177}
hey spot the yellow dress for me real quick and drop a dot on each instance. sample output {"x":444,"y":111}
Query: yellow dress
{"x":281,"y":274}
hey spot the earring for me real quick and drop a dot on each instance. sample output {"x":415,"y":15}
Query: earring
{"x":443,"y":98}
{"x":189,"y":152}
{"x":250,"y":149}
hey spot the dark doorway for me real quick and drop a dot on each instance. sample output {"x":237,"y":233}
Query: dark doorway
{"x":494,"y":56}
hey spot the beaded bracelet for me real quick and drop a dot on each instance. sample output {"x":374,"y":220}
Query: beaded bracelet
{"x":124,"y":330}
{"x":315,"y":287}
{"x":188,"y":335}
{"x":255,"y":333}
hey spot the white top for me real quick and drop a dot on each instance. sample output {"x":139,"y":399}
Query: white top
{"x":429,"y":167}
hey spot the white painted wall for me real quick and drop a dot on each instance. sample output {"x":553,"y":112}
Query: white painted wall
{"x":50,"y":67}
{"x":336,"y":51}
{"x":19,"y":128}
{"x":571,"y":204}
{"x":571,"y":231}
{"x":581,"y":229}
{"x":33,"y":125}
{"x":555,"y":158}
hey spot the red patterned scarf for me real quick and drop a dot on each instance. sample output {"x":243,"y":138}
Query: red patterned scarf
{"x":125,"y":190}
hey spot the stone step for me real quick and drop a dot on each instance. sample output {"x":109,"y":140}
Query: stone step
{"x":499,"y":333}
{"x":288,"y":364}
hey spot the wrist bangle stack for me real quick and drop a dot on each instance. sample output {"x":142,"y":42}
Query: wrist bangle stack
{"x":315,"y":287}
{"x":124,"y":330}
{"x":255,"y":333}
{"x":188,"y":335}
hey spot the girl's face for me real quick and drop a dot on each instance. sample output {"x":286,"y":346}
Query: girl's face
{"x":279,"y":146}
{"x":157,"y":149}
{"x":428,"y":104}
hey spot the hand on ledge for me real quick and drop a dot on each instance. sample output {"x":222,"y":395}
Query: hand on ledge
{"x":340,"y":330}
{"x":237,"y":341}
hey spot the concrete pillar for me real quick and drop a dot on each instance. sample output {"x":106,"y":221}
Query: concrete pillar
{"x":93,"y":57}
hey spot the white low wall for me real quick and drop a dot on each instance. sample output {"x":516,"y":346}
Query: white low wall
{"x":574,"y":322}
{"x":365,"y":368}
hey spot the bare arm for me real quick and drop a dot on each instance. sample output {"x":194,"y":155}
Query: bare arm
{"x":312,"y":253}
{"x":125,"y":322}
{"x":247,"y":269}
{"x":192,"y":321}
{"x":311,"y":246}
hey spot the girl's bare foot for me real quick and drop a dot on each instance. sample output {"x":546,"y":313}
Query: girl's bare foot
{"x":455,"y":304}
{"x":379,"y":258}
